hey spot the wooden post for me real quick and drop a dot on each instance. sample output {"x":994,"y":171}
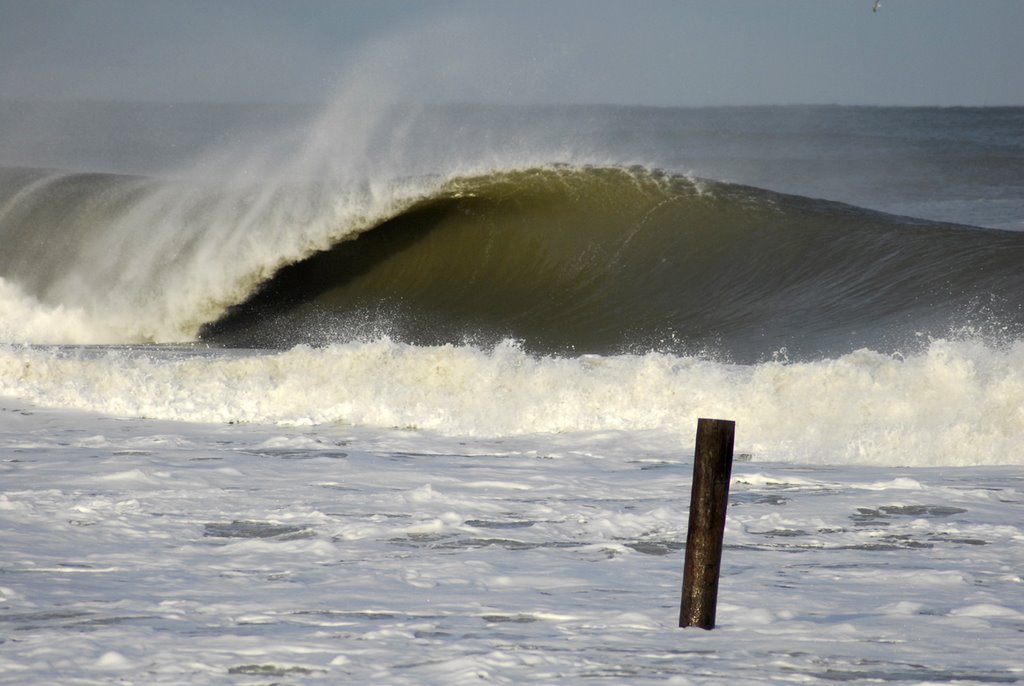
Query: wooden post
{"x":712,"y":467}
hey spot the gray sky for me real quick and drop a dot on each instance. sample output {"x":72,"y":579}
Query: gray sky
{"x":657,"y":52}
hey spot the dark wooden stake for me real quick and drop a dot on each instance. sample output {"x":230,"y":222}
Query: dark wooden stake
{"x":712,"y":467}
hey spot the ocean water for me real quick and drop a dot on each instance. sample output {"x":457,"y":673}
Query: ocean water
{"x":408,"y":394}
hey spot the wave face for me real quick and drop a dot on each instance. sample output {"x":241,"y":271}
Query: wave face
{"x":565,"y":259}
{"x":605,"y":260}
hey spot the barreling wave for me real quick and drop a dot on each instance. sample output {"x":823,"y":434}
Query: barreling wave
{"x":565,"y":259}
{"x":605,"y":260}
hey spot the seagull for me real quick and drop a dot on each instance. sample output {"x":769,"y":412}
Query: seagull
{"x":878,"y":3}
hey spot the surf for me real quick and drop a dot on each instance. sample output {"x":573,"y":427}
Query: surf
{"x":955,"y":403}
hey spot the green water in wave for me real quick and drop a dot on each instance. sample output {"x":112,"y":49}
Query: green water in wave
{"x":596,"y":260}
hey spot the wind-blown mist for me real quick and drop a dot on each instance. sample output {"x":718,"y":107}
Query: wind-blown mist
{"x":102,"y":258}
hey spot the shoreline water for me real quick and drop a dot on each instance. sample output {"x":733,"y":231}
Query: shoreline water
{"x":163,"y":551}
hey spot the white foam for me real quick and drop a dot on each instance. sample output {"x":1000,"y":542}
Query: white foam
{"x":23,"y":319}
{"x":955,"y":403}
{"x":411,"y":565}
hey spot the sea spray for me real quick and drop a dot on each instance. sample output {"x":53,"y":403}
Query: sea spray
{"x":154,"y":258}
{"x":148,"y":260}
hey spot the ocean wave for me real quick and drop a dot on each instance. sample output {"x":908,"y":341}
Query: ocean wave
{"x":573,"y":260}
{"x":566,"y":259}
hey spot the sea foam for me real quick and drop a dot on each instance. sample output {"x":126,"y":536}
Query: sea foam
{"x":954,"y":403}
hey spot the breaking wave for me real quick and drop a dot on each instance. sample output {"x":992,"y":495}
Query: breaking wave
{"x":567,"y":260}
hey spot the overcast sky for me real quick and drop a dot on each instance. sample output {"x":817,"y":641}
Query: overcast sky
{"x":656,"y":52}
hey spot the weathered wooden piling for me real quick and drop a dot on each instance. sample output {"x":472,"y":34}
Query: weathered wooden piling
{"x":709,"y":497}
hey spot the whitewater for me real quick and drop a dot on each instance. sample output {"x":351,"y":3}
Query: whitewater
{"x":409,"y":396}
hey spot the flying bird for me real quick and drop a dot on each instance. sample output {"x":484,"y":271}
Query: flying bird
{"x":878,"y":3}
